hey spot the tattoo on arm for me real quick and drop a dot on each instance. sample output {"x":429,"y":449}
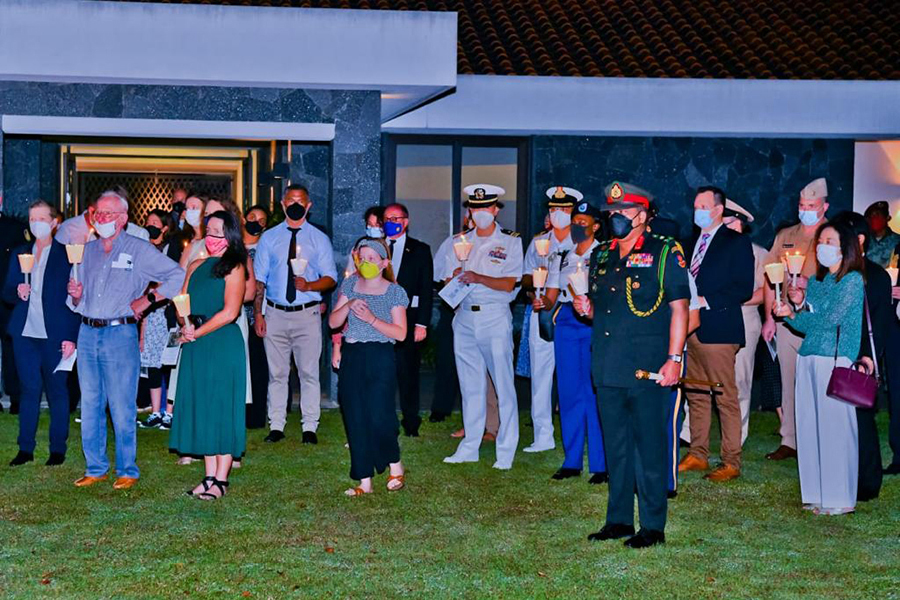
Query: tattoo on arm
{"x":260,"y":296}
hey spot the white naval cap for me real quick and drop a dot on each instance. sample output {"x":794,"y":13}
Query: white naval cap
{"x":737,"y":209}
{"x":561,"y":195}
{"x":482,"y":194}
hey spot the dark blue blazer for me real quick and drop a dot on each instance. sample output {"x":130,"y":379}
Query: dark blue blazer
{"x":726,"y":281}
{"x":60,"y":322}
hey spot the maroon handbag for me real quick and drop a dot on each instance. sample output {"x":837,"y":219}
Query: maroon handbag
{"x":852,"y":386}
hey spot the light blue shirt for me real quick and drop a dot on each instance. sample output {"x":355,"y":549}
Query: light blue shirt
{"x":271,"y":262}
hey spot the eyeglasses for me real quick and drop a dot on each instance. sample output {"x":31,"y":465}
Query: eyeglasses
{"x":395,"y":219}
{"x":108,"y":215}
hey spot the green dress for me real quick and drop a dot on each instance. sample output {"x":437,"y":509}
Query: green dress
{"x":209,"y":414}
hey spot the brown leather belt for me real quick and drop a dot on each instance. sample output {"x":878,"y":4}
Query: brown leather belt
{"x":108,"y":322}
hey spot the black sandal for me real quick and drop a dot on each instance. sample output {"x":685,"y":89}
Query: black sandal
{"x":206,"y":483}
{"x":222,"y":485}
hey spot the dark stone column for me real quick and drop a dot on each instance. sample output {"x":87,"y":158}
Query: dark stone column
{"x":21,"y":175}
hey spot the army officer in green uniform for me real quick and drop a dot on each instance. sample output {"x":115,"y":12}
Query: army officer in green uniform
{"x":638,"y":299}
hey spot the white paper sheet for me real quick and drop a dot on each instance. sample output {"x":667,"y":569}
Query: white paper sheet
{"x":454,"y":292}
{"x":66,"y":364}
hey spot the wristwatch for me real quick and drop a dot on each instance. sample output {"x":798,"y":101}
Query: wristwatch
{"x":151,"y":297}
{"x":675,"y":358}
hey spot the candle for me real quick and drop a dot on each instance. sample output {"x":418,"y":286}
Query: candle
{"x":795,"y":264}
{"x":298,"y":265}
{"x":579,"y":280}
{"x":539,"y":277}
{"x":775,"y":271}
{"x":892,"y":271}
{"x":462,"y":248}
{"x":75,"y":252}
{"x":542,"y":247}
{"x":26,"y":262}
{"x":182,"y":305}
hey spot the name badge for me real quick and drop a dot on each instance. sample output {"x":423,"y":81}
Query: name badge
{"x":644,"y":259}
{"x":124,"y":261}
{"x":414,"y":303}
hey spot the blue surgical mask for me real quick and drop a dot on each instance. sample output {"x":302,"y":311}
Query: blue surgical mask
{"x":374,"y":232}
{"x":828,"y":255}
{"x":702,"y":218}
{"x":809,"y":217}
{"x":391,"y":229}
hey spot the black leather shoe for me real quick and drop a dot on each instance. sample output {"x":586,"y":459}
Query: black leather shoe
{"x":671,"y":494}
{"x":21,"y":458}
{"x":598,"y":478}
{"x":892,"y":469}
{"x":310,"y":437}
{"x":646,"y":538}
{"x":437,"y":417}
{"x":56,"y":458}
{"x":564,"y":473}
{"x":612,"y":531}
{"x":411,"y":432}
{"x":274,"y":436}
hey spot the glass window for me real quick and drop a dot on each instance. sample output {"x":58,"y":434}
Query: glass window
{"x":425,"y":185}
{"x":497,"y":166}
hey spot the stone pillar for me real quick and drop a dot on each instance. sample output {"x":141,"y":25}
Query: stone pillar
{"x":21,"y":175}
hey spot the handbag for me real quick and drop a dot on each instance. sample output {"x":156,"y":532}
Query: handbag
{"x":849,"y":385}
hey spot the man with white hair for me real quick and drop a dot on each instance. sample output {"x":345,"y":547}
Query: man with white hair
{"x":800,"y":240}
{"x":80,"y":228}
{"x":109,"y":297}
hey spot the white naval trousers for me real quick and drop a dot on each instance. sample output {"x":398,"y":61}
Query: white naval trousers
{"x":482,"y":342}
{"x":827,"y":437}
{"x":542,"y":365}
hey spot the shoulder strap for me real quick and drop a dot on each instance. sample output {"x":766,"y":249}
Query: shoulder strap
{"x":837,"y":342}
{"x":871,"y":335}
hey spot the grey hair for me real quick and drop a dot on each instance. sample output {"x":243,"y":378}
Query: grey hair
{"x":114,"y":194}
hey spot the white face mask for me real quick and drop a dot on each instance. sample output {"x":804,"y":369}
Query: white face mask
{"x":809,"y":217}
{"x":192,"y":216}
{"x":560,"y":219}
{"x":374,"y":232}
{"x":40,"y":229}
{"x":483,"y":219}
{"x":105,"y":230}
{"x":828,"y":255}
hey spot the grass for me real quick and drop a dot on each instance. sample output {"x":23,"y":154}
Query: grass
{"x":460,"y":531}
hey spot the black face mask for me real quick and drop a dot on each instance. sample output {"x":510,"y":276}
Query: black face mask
{"x":253,"y":228}
{"x":620,"y":226}
{"x":154,"y":232}
{"x":580,"y":233}
{"x":295,"y":211}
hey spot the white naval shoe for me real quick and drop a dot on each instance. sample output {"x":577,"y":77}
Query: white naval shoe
{"x":453,"y":459}
{"x":502,"y":466}
{"x":535,"y":448}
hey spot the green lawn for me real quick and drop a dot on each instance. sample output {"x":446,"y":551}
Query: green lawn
{"x":285,"y":530}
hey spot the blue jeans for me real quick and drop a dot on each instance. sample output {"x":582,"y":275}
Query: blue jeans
{"x":109,"y":365}
{"x":35,"y":361}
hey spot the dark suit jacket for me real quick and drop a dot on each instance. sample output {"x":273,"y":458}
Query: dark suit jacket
{"x":416,"y":277}
{"x":726,"y":281}
{"x":12,"y":235}
{"x":60,"y":322}
{"x":878,"y":295}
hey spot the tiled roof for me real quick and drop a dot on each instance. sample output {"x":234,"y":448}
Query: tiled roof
{"x":745,"y":39}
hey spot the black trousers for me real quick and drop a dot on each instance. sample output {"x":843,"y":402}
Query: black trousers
{"x":10,"y":377}
{"x":367,"y":386}
{"x":870,"y":474}
{"x":446,"y":380}
{"x":635,"y":440}
{"x":892,"y":366}
{"x":408,"y":360}
{"x":257,"y":410}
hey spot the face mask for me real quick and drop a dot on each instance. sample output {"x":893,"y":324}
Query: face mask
{"x":214,"y":245}
{"x":177,"y":209}
{"x":295,"y":211}
{"x":105,"y":230}
{"x":253,"y":228}
{"x":878,"y":223}
{"x":809,"y":217}
{"x":154,"y":231}
{"x":828,"y":255}
{"x":620,"y":225}
{"x":192,"y":216}
{"x":560,"y":219}
{"x":374,"y":232}
{"x":391,"y":229}
{"x":483,"y":219}
{"x":40,"y":229}
{"x":579,"y":233}
{"x":367,"y":269}
{"x":702,"y":218}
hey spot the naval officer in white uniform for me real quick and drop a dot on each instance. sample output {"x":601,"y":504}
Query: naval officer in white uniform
{"x":561,"y":201}
{"x":482,"y":327}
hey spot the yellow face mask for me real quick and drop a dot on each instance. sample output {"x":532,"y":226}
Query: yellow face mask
{"x":367,"y":269}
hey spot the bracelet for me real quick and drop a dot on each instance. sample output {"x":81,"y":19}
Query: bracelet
{"x":372,"y":322}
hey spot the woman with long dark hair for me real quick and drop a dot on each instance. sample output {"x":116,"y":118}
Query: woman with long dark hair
{"x":209,"y":418}
{"x":829,"y":313}
{"x":374,"y":308}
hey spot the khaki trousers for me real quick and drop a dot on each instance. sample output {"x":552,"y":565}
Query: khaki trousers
{"x":788,"y":343}
{"x":744,"y":363}
{"x":714,"y":362}
{"x":301,"y":333}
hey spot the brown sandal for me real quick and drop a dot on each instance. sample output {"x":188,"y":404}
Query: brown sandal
{"x":400,"y":478}
{"x":354,"y":492}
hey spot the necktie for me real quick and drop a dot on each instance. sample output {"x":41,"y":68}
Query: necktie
{"x":392,"y":248}
{"x":698,"y":257}
{"x":291,"y":292}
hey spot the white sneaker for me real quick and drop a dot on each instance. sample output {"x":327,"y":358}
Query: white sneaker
{"x":535,"y":448}
{"x":502,"y":466}
{"x":455,"y":460}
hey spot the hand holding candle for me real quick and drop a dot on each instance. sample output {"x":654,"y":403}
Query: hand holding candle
{"x":539,"y":277}
{"x":26,"y":263}
{"x":775,"y":272}
{"x":75,"y":252}
{"x":182,"y":304}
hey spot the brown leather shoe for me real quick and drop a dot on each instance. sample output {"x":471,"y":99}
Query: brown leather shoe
{"x":692,"y":463}
{"x":88,"y":480}
{"x":459,"y":433}
{"x":488,"y":437}
{"x":124,"y":483}
{"x":723,"y":473}
{"x":783,"y":453}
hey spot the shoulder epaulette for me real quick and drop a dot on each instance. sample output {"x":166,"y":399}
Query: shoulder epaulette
{"x":466,"y":232}
{"x":509,"y":232}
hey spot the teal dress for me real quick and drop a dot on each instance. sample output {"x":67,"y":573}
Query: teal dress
{"x":209,"y":414}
